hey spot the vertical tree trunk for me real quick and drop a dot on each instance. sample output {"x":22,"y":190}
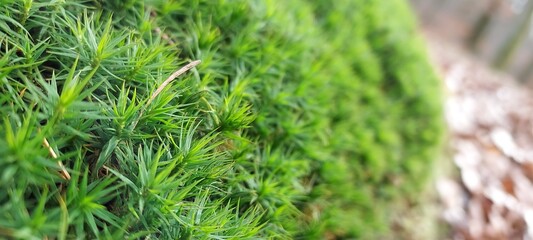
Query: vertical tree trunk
{"x":503,"y":58}
{"x":482,"y":24}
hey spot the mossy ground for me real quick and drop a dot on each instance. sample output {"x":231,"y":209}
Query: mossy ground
{"x":305,"y":119}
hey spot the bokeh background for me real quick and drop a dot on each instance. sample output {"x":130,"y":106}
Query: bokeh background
{"x":498,"y":32}
{"x":482,"y":50}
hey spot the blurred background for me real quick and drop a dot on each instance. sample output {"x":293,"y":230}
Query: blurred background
{"x":482,"y":50}
{"x":497,"y":31}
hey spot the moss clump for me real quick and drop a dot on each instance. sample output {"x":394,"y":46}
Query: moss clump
{"x":305,"y":119}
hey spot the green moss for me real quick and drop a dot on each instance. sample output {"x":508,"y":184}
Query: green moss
{"x":305,"y":119}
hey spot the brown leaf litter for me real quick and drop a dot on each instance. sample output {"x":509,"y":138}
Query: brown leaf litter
{"x":490,"y":119}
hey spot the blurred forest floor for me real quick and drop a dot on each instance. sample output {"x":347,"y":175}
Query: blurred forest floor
{"x":490,"y":120}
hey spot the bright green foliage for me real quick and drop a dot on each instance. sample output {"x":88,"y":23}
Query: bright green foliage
{"x":305,"y":119}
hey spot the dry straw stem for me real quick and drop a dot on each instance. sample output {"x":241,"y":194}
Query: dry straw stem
{"x":164,"y":84}
{"x":164,"y":36}
{"x":63,"y":172}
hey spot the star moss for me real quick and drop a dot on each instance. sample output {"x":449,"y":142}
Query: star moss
{"x":304,"y":119}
